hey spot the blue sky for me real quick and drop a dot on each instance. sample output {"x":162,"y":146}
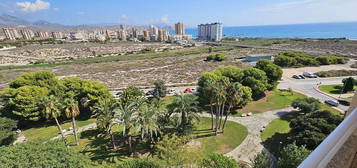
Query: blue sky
{"x":191,"y":12}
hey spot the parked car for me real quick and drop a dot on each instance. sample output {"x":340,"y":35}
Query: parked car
{"x":332,"y":102}
{"x":171,"y":91}
{"x":149,"y":93}
{"x":296,"y":76}
{"x":309,"y":75}
{"x":344,"y":102}
{"x":187,"y":90}
{"x":301,"y":76}
{"x":117,"y":95}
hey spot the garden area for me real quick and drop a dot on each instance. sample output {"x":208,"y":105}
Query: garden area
{"x":308,"y":126}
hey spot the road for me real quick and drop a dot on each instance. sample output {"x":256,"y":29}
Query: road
{"x":308,"y":87}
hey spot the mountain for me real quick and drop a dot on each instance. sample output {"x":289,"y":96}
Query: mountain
{"x":12,"y":21}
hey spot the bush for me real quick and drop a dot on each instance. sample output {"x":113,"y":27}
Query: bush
{"x":298,"y":59}
{"x":262,"y":160}
{"x":7,"y":131}
{"x":171,"y":150}
{"x":160,"y":89}
{"x":215,"y":160}
{"x":292,"y":155}
{"x":216,"y":57}
{"x":336,"y":73}
{"x":306,"y":105}
{"x":42,"y":155}
{"x":139,"y":163}
{"x":311,"y":129}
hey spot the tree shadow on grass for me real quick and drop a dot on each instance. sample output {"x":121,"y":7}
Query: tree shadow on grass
{"x":100,"y":147}
{"x":337,"y":89}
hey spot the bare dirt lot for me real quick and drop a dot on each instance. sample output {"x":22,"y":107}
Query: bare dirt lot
{"x":180,"y":69}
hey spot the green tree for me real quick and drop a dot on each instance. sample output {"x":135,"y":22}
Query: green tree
{"x":172,"y":151}
{"x":348,"y":84}
{"x":185,"y":108}
{"x":44,"y":79}
{"x":262,"y":160}
{"x":138,"y":163}
{"x":257,"y":80}
{"x":215,"y":160}
{"x":42,"y":155}
{"x":312,"y":128}
{"x":7,"y":131}
{"x":237,"y":96}
{"x":129,"y":94}
{"x":306,"y":105}
{"x":52,"y":109}
{"x":273,"y":72}
{"x":71,"y":110}
{"x":160,"y":89}
{"x":147,"y":120}
{"x":285,"y":61}
{"x":104,"y":110}
{"x":292,"y":155}
{"x":127,"y":115}
{"x":25,"y":102}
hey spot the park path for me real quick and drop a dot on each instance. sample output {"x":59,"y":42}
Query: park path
{"x":80,"y":129}
{"x":252,"y":144}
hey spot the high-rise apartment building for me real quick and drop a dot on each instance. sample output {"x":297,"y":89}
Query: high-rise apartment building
{"x":135,"y":32}
{"x":179,"y":28}
{"x":57,"y":35}
{"x":10,"y":33}
{"x":27,"y":34}
{"x":210,"y":32}
{"x":146,"y":35}
{"x":42,"y":34}
{"x":162,"y":35}
{"x":122,"y":33}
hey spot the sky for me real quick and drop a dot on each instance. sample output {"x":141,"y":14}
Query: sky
{"x":191,"y":12}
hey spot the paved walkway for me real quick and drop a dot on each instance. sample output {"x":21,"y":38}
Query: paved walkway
{"x":252,"y":144}
{"x":80,"y":129}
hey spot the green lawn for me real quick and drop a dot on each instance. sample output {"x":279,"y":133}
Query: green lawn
{"x":233,"y":136}
{"x":333,"y":89}
{"x":47,"y":132}
{"x":274,"y":100}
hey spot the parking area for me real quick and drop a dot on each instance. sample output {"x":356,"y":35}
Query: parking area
{"x":290,"y":72}
{"x":169,"y":92}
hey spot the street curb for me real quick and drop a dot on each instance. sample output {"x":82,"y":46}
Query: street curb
{"x":318,"y":90}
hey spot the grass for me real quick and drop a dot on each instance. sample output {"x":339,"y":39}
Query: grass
{"x":333,"y":89}
{"x":233,"y":136}
{"x":50,"y":131}
{"x":274,"y":100}
{"x":127,"y":57}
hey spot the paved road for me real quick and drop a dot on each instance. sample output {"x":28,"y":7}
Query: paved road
{"x":308,"y":87}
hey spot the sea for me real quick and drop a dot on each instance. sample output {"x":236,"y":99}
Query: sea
{"x":317,"y":30}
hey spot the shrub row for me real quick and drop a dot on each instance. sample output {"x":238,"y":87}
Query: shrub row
{"x":336,"y":73}
{"x":299,"y":59}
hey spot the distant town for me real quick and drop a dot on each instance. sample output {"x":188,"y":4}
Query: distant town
{"x":206,"y":32}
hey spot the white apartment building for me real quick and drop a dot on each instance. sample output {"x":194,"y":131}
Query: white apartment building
{"x":27,"y":34}
{"x":57,"y":35}
{"x":210,"y":32}
{"x":11,"y":33}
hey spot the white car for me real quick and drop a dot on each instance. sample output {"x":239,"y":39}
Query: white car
{"x":171,"y":91}
{"x":332,"y":102}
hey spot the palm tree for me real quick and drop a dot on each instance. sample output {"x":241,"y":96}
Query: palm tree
{"x":147,"y":120}
{"x":127,"y":115}
{"x":52,"y":110}
{"x":185,"y":108}
{"x":104,"y":110}
{"x":71,"y":110}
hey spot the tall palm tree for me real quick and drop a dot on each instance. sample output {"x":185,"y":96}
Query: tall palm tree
{"x":126,"y":114}
{"x":185,"y":108}
{"x":104,"y":110}
{"x":147,"y":121}
{"x":71,"y":110}
{"x":52,"y":109}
